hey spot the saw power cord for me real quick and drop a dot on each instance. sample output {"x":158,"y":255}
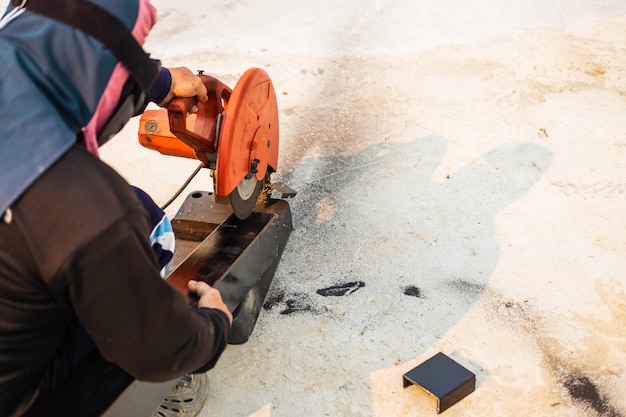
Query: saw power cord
{"x":180,"y":190}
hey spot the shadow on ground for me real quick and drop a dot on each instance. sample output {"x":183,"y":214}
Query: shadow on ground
{"x":386,"y":259}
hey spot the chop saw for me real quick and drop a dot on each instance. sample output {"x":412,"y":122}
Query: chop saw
{"x":231,"y":238}
{"x":234,"y":133}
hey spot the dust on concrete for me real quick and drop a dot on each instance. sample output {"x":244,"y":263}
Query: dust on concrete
{"x":575,"y":380}
{"x":435,"y":92}
{"x":584,"y":391}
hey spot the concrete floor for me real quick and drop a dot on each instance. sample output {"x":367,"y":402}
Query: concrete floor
{"x":460,"y":169}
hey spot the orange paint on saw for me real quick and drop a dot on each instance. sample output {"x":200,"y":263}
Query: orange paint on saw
{"x":154,"y":133}
{"x":249,"y":132}
{"x":244,"y":142}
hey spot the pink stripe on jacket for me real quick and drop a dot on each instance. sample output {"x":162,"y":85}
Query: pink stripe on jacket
{"x":146,"y":18}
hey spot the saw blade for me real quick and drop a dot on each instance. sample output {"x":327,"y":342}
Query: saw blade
{"x":244,"y":197}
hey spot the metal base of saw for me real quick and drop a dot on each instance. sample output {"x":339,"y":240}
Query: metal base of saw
{"x":239,"y":257}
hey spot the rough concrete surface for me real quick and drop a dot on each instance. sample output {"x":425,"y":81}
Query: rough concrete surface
{"x":460,"y":169}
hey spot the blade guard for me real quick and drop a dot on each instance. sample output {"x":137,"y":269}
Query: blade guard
{"x":248,"y":143}
{"x":248,"y":133}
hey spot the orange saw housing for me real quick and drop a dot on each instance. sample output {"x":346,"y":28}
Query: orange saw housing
{"x":235,"y":132}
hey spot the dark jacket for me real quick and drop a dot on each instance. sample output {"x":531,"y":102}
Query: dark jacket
{"x":76,"y":250}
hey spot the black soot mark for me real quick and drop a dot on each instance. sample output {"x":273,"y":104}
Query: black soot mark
{"x":294,"y":303}
{"x":295,"y":306}
{"x":413,"y":291}
{"x":340,"y":290}
{"x":582,"y":389}
{"x":273,"y":300}
{"x":468,"y":288}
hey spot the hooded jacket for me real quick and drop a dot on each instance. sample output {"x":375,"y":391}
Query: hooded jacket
{"x":55,"y":81}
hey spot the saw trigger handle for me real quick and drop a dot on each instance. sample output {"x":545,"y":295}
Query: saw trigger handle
{"x":201,"y":137}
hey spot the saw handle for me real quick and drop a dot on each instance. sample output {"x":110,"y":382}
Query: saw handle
{"x":202,"y":137}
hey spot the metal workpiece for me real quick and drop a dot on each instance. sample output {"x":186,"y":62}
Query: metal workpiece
{"x":237,"y":257}
{"x":443,"y":379}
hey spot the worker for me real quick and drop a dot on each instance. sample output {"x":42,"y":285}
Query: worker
{"x":77,"y":267}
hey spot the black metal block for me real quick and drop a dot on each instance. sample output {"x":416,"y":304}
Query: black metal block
{"x":239,"y":257}
{"x":443,"y":379}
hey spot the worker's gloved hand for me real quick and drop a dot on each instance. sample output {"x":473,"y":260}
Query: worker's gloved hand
{"x":209,"y":297}
{"x":185,"y":84}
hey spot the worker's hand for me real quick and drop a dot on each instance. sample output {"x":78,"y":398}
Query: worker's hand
{"x":209,"y":297}
{"x":185,"y":84}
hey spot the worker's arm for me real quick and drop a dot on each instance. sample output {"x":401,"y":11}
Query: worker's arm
{"x":137,"y":320}
{"x":97,"y":262}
